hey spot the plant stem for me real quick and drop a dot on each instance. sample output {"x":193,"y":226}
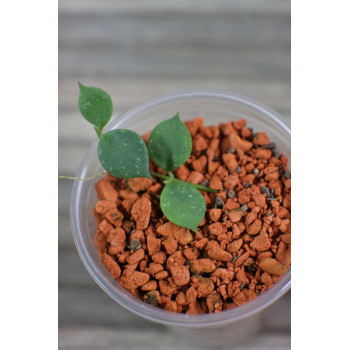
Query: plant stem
{"x":82,"y":179}
{"x":173,"y":179}
{"x":98,"y":131}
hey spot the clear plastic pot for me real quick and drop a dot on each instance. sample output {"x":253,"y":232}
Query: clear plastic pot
{"x":214,"y":106}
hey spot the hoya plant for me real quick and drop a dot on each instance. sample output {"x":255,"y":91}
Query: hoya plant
{"x":124,"y":154}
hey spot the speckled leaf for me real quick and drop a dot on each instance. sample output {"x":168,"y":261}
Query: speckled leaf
{"x":183,"y":204}
{"x":124,"y":154}
{"x":170,"y":144}
{"x":95,"y":105}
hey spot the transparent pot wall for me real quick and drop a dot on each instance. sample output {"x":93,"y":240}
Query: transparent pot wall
{"x":214,"y":106}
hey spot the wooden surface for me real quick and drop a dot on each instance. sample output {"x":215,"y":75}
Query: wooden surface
{"x":136,"y":50}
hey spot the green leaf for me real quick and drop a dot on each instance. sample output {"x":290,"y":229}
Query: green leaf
{"x":95,"y":105}
{"x":183,"y":204}
{"x":124,"y":154}
{"x":170,"y":144}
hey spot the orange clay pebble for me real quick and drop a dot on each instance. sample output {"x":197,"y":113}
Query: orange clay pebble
{"x":115,"y":217}
{"x":261,"y":243}
{"x":241,"y":259}
{"x":103,"y":206}
{"x":230,"y":161}
{"x":263,"y":255}
{"x":195,"y":308}
{"x":199,"y":164}
{"x":254,"y":228}
{"x":240,"y":248}
{"x":199,"y":143}
{"x":272,"y":266}
{"x":105,"y":190}
{"x":191,"y":295}
{"x":153,"y":245}
{"x":234,"y":141}
{"x":139,"y":184}
{"x":244,"y":296}
{"x":223,"y":274}
{"x":171,"y":306}
{"x":136,"y":257}
{"x":168,"y":287}
{"x":261,"y":139}
{"x":150,"y":285}
{"x":181,"y":298}
{"x":191,"y":253}
{"x":182,"y":172}
{"x":202,"y":266}
{"x":117,"y":240}
{"x":176,"y":258}
{"x":105,"y":227}
{"x":262,"y":153}
{"x":155,"y":189}
{"x":111,"y":265}
{"x":266,"y":278}
{"x":170,"y":245}
{"x":234,"y":246}
{"x":195,"y":177}
{"x":141,"y":212}
{"x":161,"y":275}
{"x":239,"y":124}
{"x":134,"y":279}
{"x":202,"y":243}
{"x":154,"y":268}
{"x":259,"y":200}
{"x":219,"y":254}
{"x":181,"y":234}
{"x":204,"y":285}
{"x":216,"y":228}
{"x":214,"y":302}
{"x":214,"y":214}
{"x":235,"y":215}
{"x":215,"y":183}
{"x":159,"y":257}
{"x":181,"y":275}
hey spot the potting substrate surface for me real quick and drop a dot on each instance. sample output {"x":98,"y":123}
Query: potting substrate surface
{"x":241,"y":247}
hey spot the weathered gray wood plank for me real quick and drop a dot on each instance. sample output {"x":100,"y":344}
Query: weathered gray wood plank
{"x":92,"y":338}
{"x":159,"y":6}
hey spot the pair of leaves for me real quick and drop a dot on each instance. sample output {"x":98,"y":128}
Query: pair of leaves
{"x":124,"y":154}
{"x":169,"y":146}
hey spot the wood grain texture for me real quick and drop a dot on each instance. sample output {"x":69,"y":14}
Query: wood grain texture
{"x":137,"y":50}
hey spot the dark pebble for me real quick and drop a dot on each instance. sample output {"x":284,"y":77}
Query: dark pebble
{"x":216,"y":159}
{"x":266,"y":190}
{"x":135,"y":244}
{"x":247,"y":185}
{"x":242,"y":285}
{"x":244,"y":207}
{"x":231,"y":194}
{"x":219,"y":202}
{"x":204,"y":183}
{"x":238,"y":170}
{"x":271,"y":146}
